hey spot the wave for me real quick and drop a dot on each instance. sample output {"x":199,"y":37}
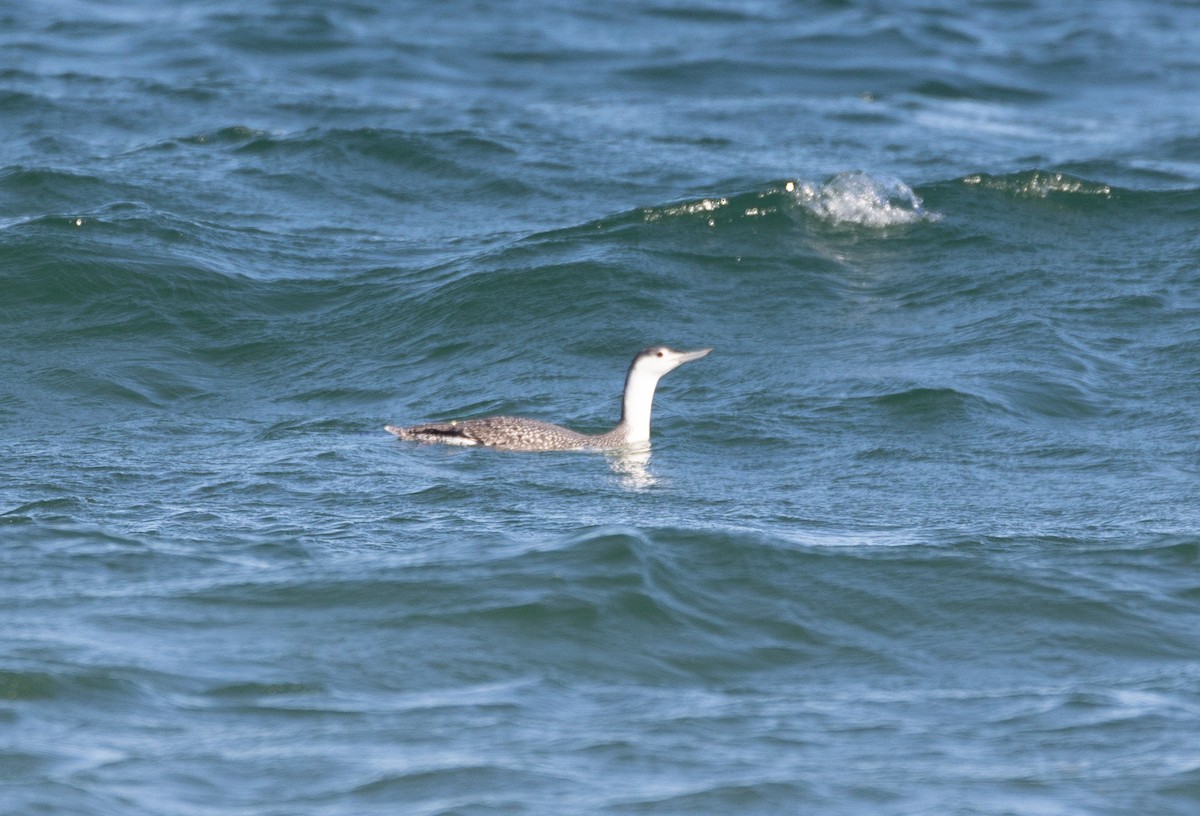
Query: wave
{"x":931,"y":404}
{"x":1022,"y":392}
{"x":853,"y":198}
{"x":862,"y":199}
{"x":1040,"y":184}
{"x":447,"y":152}
{"x":857,"y":198}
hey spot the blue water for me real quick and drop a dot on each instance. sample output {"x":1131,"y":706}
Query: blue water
{"x":920,"y":536}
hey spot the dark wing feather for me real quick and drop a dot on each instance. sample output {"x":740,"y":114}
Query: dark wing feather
{"x":513,"y":433}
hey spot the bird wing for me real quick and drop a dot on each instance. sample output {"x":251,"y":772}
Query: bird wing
{"x":513,"y":433}
{"x":450,"y":433}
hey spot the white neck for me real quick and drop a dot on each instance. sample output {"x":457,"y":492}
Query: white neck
{"x":638,"y":401}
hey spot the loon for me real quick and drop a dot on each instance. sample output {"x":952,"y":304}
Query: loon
{"x":520,"y":434}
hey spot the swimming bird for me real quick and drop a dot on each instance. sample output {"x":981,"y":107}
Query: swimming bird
{"x":521,"y":434}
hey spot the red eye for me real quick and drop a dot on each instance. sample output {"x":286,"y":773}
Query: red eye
{"x":660,"y":354}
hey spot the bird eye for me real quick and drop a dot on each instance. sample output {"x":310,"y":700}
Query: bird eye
{"x":660,"y":354}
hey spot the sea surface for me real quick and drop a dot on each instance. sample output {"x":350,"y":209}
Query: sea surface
{"x":920,"y":536}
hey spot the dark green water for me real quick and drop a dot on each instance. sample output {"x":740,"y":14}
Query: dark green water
{"x":921,"y":535}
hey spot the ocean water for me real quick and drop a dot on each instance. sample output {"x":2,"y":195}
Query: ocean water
{"x":920,"y":536}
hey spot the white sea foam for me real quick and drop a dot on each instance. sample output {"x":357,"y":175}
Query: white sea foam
{"x":856,"y":197}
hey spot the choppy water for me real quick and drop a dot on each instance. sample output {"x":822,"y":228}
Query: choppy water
{"x":920,"y":536}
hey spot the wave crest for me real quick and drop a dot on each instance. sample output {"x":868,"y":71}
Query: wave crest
{"x":854,"y":197}
{"x":1039,"y":184}
{"x":857,"y":197}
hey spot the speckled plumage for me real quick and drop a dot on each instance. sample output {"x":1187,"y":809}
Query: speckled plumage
{"x":522,"y":434}
{"x":512,"y":433}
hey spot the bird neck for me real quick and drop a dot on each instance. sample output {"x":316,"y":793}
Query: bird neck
{"x":636,"y":405}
